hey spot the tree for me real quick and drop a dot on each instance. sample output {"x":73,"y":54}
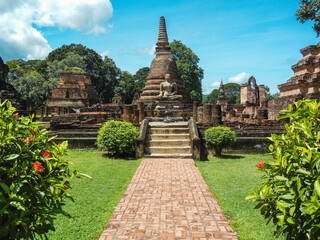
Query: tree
{"x":56,"y":67}
{"x":34,"y":88}
{"x":270,"y":96}
{"x":232,"y":93}
{"x":104,"y":73}
{"x":140,"y":79}
{"x":310,"y":10}
{"x":126,"y":87}
{"x":190,"y":73}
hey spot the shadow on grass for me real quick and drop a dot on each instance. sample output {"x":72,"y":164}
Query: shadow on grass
{"x":120,"y":157}
{"x":222,"y":156}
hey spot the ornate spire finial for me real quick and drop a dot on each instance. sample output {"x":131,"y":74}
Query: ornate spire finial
{"x":163,"y":43}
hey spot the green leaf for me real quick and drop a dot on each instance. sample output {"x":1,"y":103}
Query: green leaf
{"x":281,"y":178}
{"x":290,"y":220}
{"x":5,"y":187}
{"x":250,"y":197}
{"x":11,"y":157}
{"x":85,"y":175}
{"x":281,"y":207}
{"x":317,"y":186}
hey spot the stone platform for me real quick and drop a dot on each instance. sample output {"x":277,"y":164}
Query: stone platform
{"x":168,"y":199}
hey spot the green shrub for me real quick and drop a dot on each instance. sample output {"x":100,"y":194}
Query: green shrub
{"x":289,"y":196}
{"x":219,"y":138}
{"x":117,"y":138}
{"x":33,"y":178}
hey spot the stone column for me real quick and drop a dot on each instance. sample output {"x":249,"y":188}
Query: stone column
{"x":195,"y":110}
{"x":206,"y":113}
{"x":128,"y":113}
{"x":216,"y":115}
{"x":141,"y":111}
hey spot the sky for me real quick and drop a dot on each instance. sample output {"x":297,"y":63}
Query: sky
{"x":234,"y":39}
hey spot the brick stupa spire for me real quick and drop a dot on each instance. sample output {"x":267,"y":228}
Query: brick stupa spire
{"x":162,"y":64}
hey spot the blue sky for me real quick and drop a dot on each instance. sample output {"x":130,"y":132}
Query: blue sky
{"x":234,"y":39}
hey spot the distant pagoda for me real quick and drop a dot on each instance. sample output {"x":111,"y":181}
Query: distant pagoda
{"x":162,"y":64}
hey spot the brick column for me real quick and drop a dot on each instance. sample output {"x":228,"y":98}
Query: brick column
{"x":195,"y":110}
{"x":128,"y":113}
{"x":216,"y":115}
{"x":141,"y":111}
{"x":200,"y":115}
{"x":206,"y":113}
{"x":135,"y":116}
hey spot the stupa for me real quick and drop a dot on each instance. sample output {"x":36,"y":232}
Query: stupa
{"x":161,"y":65}
{"x":164,"y":95}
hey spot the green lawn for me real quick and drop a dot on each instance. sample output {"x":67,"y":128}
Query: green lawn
{"x":96,"y":198}
{"x":231,"y":179}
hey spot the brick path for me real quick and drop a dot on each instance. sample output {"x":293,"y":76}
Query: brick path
{"x":168,"y":199}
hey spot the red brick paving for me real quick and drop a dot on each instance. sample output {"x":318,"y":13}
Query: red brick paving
{"x":168,"y":199}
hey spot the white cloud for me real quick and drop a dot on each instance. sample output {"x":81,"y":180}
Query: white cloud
{"x":239,"y":78}
{"x":215,"y":84}
{"x":147,"y":51}
{"x":105,"y":53}
{"x":19,"y":20}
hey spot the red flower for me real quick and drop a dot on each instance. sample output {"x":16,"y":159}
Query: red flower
{"x":22,"y":139}
{"x":66,"y":187}
{"x":293,"y":192}
{"x":17,"y":116}
{"x":46,"y":154}
{"x":260,"y":164}
{"x":38,"y":139}
{"x":37,"y":166}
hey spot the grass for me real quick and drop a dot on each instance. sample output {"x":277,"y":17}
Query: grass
{"x":96,"y":198}
{"x":231,"y":179}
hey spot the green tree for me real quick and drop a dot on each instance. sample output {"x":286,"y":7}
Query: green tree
{"x":111,"y":75}
{"x":104,"y":73}
{"x":232,"y":93}
{"x":126,"y":87}
{"x":18,"y":67}
{"x":270,"y":96}
{"x":140,"y":79}
{"x":56,"y":67}
{"x":310,"y":10}
{"x":191,"y":74}
{"x":34,"y":88}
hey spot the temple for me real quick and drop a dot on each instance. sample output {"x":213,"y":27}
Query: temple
{"x":73,"y":92}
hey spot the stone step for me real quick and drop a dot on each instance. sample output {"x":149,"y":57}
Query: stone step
{"x":168,"y":125}
{"x":184,"y":136}
{"x":160,"y":155}
{"x":168,"y":150}
{"x":168,"y":130}
{"x":169,"y":143}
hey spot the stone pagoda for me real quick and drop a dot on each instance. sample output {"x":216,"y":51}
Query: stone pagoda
{"x":305,"y":82}
{"x":73,"y":92}
{"x":7,"y":91}
{"x":163,"y":94}
{"x":306,"y":78}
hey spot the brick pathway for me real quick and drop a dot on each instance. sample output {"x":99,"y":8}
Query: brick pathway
{"x":168,"y":199}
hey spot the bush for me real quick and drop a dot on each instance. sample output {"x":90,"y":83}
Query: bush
{"x":117,"y":138}
{"x":219,"y":138}
{"x":290,"y":193}
{"x":33,"y":178}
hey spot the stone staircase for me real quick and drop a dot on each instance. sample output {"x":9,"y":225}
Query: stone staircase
{"x":168,"y":140}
